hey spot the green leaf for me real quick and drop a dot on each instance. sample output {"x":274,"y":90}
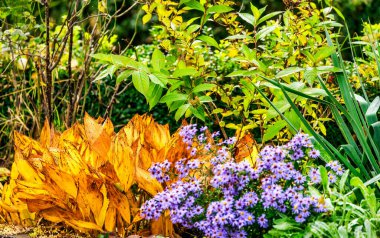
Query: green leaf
{"x":268,"y":16}
{"x":256,"y":12}
{"x":324,"y":179}
{"x":239,"y":37}
{"x":181,"y":111}
{"x":368,"y":193}
{"x":219,"y":9}
{"x":375,"y":128}
{"x":265,"y":31}
{"x":328,"y":69}
{"x":198,"y":112}
{"x":343,"y":180}
{"x":286,"y":226}
{"x":362,"y":102}
{"x":238,"y":73}
{"x":118,"y":60}
{"x":102,"y":75}
{"x":170,"y":97}
{"x":314,"y":92}
{"x":371,"y":113}
{"x":203,"y":87}
{"x":205,"y":99}
{"x":195,"y":5}
{"x":156,"y":80}
{"x":273,"y":130}
{"x":158,"y":60}
{"x":176,"y":85}
{"x":175,"y":105}
{"x":193,"y":28}
{"x":162,"y":77}
{"x":250,"y":19}
{"x":140,"y":80}
{"x":209,"y":40}
{"x":123,"y":76}
{"x":184,"y":72}
{"x":339,"y":13}
{"x":289,"y":71}
{"x":291,"y":115}
{"x":281,"y":106}
{"x":310,"y":75}
{"x":323,"y":53}
{"x":111,"y":69}
{"x":154,"y":95}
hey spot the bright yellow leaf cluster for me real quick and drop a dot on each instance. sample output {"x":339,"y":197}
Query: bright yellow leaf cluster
{"x":83,"y":177}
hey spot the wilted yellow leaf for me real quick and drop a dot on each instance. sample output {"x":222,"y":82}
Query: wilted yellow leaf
{"x":147,"y":182}
{"x":163,"y":225}
{"x":26,"y":170}
{"x":110,"y":220}
{"x":83,"y":177}
{"x":245,"y":149}
{"x":63,"y":180}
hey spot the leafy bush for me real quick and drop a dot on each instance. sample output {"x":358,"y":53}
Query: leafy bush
{"x":201,"y":69}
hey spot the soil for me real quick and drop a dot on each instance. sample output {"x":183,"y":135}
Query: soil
{"x":42,"y":231}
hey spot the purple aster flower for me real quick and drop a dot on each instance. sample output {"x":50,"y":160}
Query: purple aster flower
{"x":300,"y":218}
{"x":282,"y":208}
{"x":159,"y":170}
{"x":250,"y":199}
{"x":336,"y":167}
{"x":203,"y":128}
{"x":315,"y":175}
{"x":230,"y":141}
{"x":320,"y":207}
{"x":187,"y":133}
{"x":339,"y":171}
{"x":193,"y":164}
{"x":238,"y":234}
{"x":297,"y":154}
{"x":279,"y":153}
{"x":263,"y":221}
{"x":193,"y":151}
{"x":299,"y":178}
{"x":332,"y":177}
{"x":215,"y":134}
{"x":313,"y":153}
{"x":201,"y":138}
{"x":207,"y":147}
{"x":332,"y":164}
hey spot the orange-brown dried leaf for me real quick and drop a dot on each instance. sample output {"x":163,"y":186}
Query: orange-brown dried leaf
{"x":146,"y":182}
{"x":63,"y":180}
{"x":110,"y":220}
{"x":27,"y":171}
{"x":163,"y":225}
{"x":246,"y":149}
{"x":123,"y":162}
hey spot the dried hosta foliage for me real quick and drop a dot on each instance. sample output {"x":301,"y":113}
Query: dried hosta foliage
{"x":83,"y":177}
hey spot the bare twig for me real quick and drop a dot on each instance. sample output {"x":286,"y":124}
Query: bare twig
{"x":48,"y":75}
{"x":109,"y":107}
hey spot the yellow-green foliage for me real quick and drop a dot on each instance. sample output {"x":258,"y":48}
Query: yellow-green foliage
{"x":207,"y":54}
{"x":256,"y":44}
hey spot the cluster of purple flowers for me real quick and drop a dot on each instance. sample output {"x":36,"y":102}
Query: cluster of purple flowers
{"x":283,"y":186}
{"x":188,"y":133}
{"x":232,"y":177}
{"x":183,"y":167}
{"x":238,"y":195}
{"x":160,"y":170}
{"x":179,"y":199}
